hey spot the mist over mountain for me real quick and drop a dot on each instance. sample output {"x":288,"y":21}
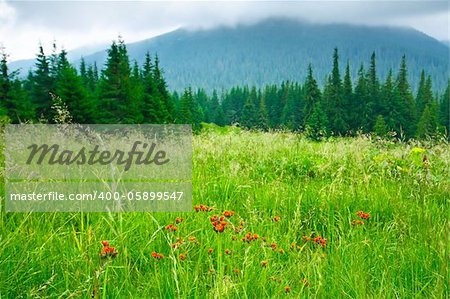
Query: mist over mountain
{"x":275,"y":50}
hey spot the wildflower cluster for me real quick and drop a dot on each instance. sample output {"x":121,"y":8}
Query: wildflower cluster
{"x":178,"y":243}
{"x":357,"y":222}
{"x":171,"y":227}
{"x":228,"y":213}
{"x":157,"y":256}
{"x":317,"y":240}
{"x":108,"y":251}
{"x":250,"y":237}
{"x":203,"y":208}
{"x":218,"y":223}
{"x":363,"y":215}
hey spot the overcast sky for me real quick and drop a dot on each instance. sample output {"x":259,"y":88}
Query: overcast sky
{"x":73,"y":24}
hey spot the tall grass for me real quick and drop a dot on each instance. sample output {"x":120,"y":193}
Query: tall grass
{"x":315,"y":189}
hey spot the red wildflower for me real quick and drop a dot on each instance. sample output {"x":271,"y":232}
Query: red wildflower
{"x":157,"y":256}
{"x":237,"y":271}
{"x":202,"y":208}
{"x":264,"y":263}
{"x":228,"y":213}
{"x":219,"y":228}
{"x":287,"y":289}
{"x":276,"y":218}
{"x":183,"y":256}
{"x":274,"y":246}
{"x":363,"y":215}
{"x":357,"y":222}
{"x":281,"y":251}
{"x":171,"y":227}
{"x":227,"y":251}
{"x":320,"y":240}
{"x":178,"y":220}
{"x":210,"y":251}
{"x":250,"y":237}
{"x":108,"y":251}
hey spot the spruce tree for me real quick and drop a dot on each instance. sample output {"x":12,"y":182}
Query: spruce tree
{"x":361,"y":97}
{"x":312,"y":95}
{"x":348,"y":98}
{"x":317,"y":124}
{"x":427,"y":125}
{"x":153,"y":109}
{"x":408,"y":109}
{"x":333,"y":99}
{"x":189,"y":111}
{"x":263,"y":117}
{"x":249,"y":112}
{"x":372,"y":105}
{"x":42,"y":84}
{"x":116,"y":101}
{"x":161,"y":92}
{"x":445,"y":110}
{"x":380,"y":127}
{"x":69,"y":87}
{"x":15,"y":105}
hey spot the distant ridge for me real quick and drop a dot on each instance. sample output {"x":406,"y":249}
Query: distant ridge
{"x":280,"y":49}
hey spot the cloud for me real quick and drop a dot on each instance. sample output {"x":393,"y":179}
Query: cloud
{"x":80,"y":23}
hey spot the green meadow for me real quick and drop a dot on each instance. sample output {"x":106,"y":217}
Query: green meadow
{"x":285,"y":191}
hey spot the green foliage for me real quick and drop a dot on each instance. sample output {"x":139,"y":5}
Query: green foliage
{"x":316,"y":189}
{"x":139,"y":94}
{"x":380,"y":127}
{"x":317,"y":124}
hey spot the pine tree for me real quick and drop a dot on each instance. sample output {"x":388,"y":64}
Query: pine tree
{"x":312,"y":95}
{"x":317,"y":124}
{"x":154,"y":111}
{"x":69,"y":87}
{"x":445,"y":110}
{"x":292,"y":112}
{"x":427,"y":125}
{"x":189,"y":110}
{"x":380,"y":127}
{"x":15,"y":105}
{"x":42,"y":84}
{"x":116,"y":101}
{"x":348,"y":98}
{"x":270,"y":95}
{"x":333,"y":99}
{"x":162,"y":93}
{"x":407,"y":100}
{"x":249,"y":112}
{"x":263,"y":117}
{"x":361,"y":97}
{"x":421,"y":100}
{"x":371,"y":107}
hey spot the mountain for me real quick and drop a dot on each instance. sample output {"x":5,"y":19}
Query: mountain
{"x":280,"y":49}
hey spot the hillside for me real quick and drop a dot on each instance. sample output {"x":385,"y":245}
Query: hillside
{"x":279,"y":49}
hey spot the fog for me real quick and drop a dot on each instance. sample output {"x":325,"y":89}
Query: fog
{"x":74,"y":24}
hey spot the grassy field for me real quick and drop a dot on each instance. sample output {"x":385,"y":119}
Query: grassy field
{"x":283,"y":188}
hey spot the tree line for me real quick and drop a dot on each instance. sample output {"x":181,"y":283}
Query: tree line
{"x":125,"y":92}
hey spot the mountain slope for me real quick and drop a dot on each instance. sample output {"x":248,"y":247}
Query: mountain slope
{"x":278,"y":49}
